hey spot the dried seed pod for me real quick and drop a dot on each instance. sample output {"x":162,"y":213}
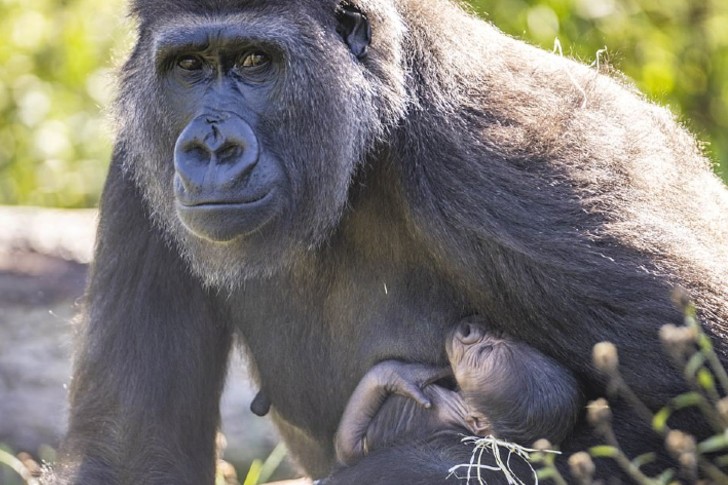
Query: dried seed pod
{"x":598,"y":412}
{"x":679,"y":341}
{"x":605,"y":357}
{"x":582,"y":467}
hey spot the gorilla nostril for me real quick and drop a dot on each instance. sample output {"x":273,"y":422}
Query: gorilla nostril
{"x":229,"y":152}
{"x":197,"y":153}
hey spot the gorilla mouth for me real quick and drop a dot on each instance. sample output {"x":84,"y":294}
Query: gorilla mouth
{"x":222,"y":203}
{"x":225,"y":220}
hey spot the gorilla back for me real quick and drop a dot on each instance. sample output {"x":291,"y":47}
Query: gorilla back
{"x":340,"y":183}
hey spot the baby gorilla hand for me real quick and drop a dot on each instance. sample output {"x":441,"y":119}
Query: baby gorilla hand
{"x":406,"y":379}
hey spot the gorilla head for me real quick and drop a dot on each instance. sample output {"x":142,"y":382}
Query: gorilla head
{"x":260,"y":125}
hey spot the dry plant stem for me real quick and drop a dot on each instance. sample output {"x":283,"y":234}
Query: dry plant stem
{"x":718,"y":370}
{"x":622,"y":459}
{"x":706,"y":347}
{"x":583,"y":482}
{"x":708,"y":411}
{"x":692,"y":369}
{"x":635,"y":402}
{"x":711,"y":415}
{"x":494,"y":446}
{"x":644,"y":412}
{"x":704,"y":464}
{"x":712,"y":471}
{"x":557,"y":478}
{"x":18,"y":467}
{"x":547,"y":460}
{"x":708,"y":408}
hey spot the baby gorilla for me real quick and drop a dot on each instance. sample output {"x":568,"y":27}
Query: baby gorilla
{"x":502,"y":388}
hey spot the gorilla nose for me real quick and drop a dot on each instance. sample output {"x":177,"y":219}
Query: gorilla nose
{"x":210,"y":150}
{"x":468,"y":333}
{"x":214,"y":153}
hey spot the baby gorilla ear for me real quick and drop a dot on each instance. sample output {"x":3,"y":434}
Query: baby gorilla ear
{"x":478,"y":423}
{"x":354,"y":28}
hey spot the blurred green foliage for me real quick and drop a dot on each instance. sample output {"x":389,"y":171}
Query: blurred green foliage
{"x":56,"y":59}
{"x":54,"y":84}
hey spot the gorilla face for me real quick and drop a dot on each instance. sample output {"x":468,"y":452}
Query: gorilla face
{"x":252,"y":132}
{"x":469,"y":348}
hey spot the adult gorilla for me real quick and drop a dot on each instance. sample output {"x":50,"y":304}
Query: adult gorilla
{"x":340,"y":184}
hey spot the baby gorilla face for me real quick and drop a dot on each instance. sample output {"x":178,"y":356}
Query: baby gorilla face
{"x":471,"y":351}
{"x":468,"y":348}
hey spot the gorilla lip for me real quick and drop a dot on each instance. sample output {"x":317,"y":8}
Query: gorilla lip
{"x":224,"y":221}
{"x":224,"y":203}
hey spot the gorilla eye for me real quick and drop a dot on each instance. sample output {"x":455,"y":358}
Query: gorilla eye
{"x":254,"y":60}
{"x":190,"y":63}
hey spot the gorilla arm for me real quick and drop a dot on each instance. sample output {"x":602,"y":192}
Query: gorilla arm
{"x":153,"y":355}
{"x":385,"y":378}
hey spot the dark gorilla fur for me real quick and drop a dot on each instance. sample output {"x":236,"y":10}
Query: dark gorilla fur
{"x":448,"y":171}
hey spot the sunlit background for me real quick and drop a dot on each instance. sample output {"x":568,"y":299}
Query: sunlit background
{"x":57,"y":58}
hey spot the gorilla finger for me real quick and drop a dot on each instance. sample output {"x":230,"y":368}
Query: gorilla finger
{"x":413,"y":391}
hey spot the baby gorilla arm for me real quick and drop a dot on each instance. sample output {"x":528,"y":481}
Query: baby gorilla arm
{"x":385,"y":378}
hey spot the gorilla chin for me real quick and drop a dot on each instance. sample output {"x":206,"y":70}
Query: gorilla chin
{"x":224,"y":222}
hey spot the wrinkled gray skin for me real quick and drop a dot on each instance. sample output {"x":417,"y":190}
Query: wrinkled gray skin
{"x":502,"y":388}
{"x":348,"y":196}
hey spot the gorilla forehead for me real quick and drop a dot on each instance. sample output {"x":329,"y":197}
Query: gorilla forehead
{"x":154,"y":9}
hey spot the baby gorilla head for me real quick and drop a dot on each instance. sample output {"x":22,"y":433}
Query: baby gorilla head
{"x":509,"y":389}
{"x":474,"y":356}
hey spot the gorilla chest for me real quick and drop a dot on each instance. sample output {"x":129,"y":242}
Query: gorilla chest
{"x":312,"y":340}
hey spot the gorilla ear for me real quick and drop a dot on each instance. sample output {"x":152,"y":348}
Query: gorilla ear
{"x":354,"y":28}
{"x":478,"y":423}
